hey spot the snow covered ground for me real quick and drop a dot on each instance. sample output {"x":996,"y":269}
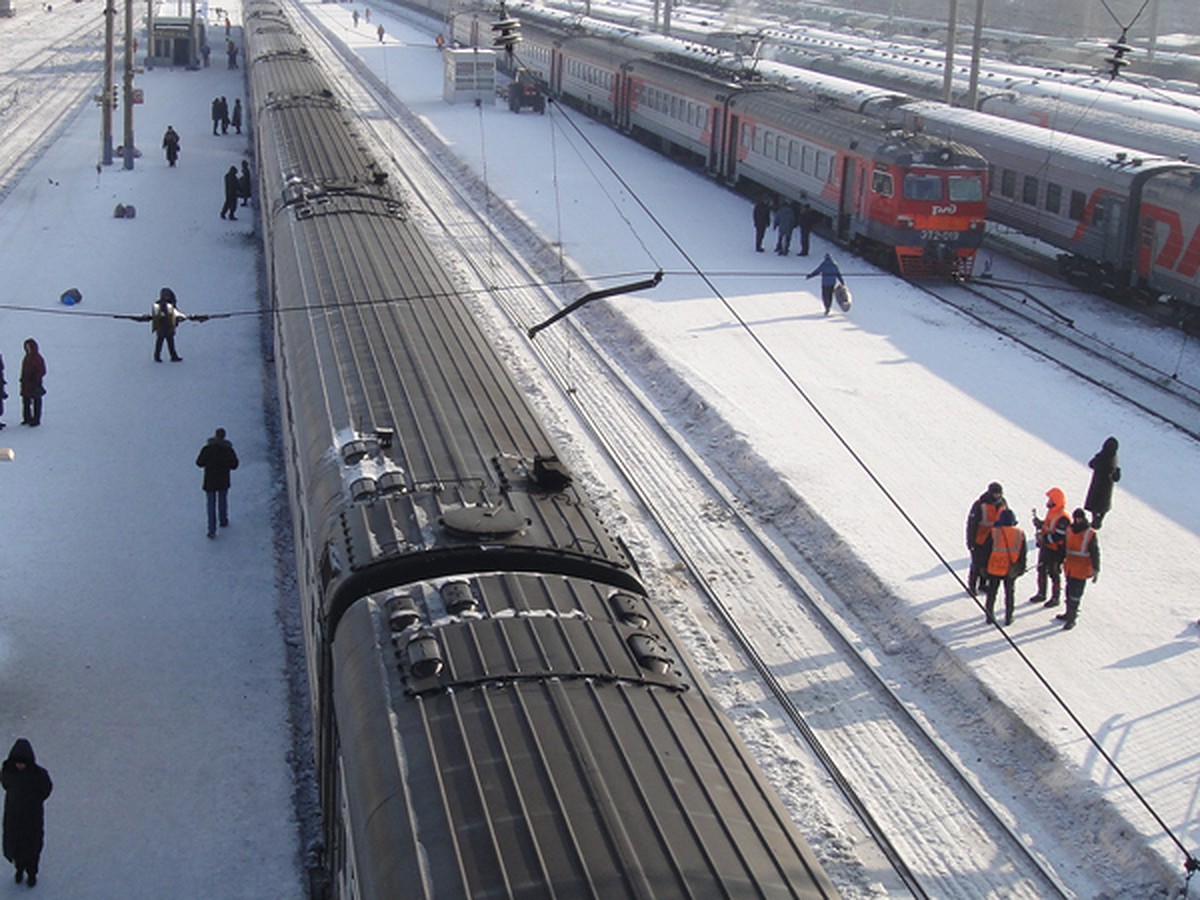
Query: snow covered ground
{"x":146,"y":664}
{"x":933,"y":405}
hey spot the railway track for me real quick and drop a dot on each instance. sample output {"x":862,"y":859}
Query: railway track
{"x":1044,"y":329}
{"x":49,"y":67}
{"x":897,"y":777}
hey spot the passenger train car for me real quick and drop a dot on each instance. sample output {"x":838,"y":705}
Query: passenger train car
{"x":915,"y":203}
{"x":499,"y":709}
{"x":1126,"y":221}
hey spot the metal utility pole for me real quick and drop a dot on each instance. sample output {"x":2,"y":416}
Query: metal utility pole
{"x":976,"y":49}
{"x":951,"y":39}
{"x":108,"y":98}
{"x":127,"y":143}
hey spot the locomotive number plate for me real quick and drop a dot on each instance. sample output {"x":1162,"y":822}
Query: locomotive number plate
{"x":929,"y":235}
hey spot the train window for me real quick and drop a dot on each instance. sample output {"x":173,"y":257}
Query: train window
{"x":824,"y":166}
{"x":674,"y":107}
{"x":781,"y":149}
{"x":965,"y":188}
{"x":1053,"y":197}
{"x":1029,"y":190}
{"x":1078,"y":205}
{"x":1008,"y":183}
{"x":882,"y":183}
{"x":791,"y":154}
{"x":922,"y":187}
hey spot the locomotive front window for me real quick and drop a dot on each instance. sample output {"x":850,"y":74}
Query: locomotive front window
{"x":922,"y":187}
{"x":965,"y":189}
{"x":882,"y":184}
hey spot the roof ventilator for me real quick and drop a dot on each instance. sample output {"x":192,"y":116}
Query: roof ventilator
{"x":425,"y":657}
{"x":402,"y":612}
{"x":355,"y":452}
{"x":550,"y":473}
{"x":650,"y":653}
{"x":629,"y":610}
{"x":457,"y":598}
{"x":363,"y":488}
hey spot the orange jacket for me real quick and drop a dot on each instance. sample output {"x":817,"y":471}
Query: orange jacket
{"x":1083,"y":554}
{"x":1052,"y":528}
{"x":1008,"y":551}
{"x":988,"y":514}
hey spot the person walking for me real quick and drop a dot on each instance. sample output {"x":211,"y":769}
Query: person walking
{"x":26,"y":787}
{"x":217,"y":458}
{"x":33,"y":370}
{"x":1050,"y":537}
{"x":224,"y":116}
{"x":831,"y":276}
{"x":981,"y":518}
{"x":164,"y":319}
{"x":235,"y":117}
{"x":1106,"y":472}
{"x":1081,"y":562}
{"x":171,"y":145}
{"x":244,"y":183}
{"x":231,"y":52}
{"x":762,"y":221}
{"x":379,"y":31}
{"x":3,"y":392}
{"x":785,"y":223}
{"x":216,"y":114}
{"x":232,"y":192}
{"x":1006,"y":563}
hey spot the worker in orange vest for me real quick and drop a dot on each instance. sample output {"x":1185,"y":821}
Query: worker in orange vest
{"x":1082,"y":561}
{"x":982,"y":516}
{"x":1006,"y":563}
{"x":1051,"y":533}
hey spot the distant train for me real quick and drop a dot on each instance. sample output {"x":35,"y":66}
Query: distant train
{"x":499,"y":709}
{"x":1127,"y":222}
{"x":912,"y":202}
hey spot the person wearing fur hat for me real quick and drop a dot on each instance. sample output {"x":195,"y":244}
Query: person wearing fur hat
{"x":1006,"y":563}
{"x":26,"y":787}
{"x":1051,"y":533}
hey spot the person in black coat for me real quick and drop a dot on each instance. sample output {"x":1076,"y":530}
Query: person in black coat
{"x":235,"y":117}
{"x":762,"y":221}
{"x":33,"y":370}
{"x":233,"y":190}
{"x":26,"y":787}
{"x":245,"y":184}
{"x":217,"y":458}
{"x":1105,"y":473}
{"x":171,"y":145}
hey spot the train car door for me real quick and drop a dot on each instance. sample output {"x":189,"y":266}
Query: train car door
{"x":1111,"y":213}
{"x":846,"y":198}
{"x":731,"y":133}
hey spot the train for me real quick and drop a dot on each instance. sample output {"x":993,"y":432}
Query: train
{"x":914,"y":203}
{"x":499,"y":708}
{"x":1124,"y":223}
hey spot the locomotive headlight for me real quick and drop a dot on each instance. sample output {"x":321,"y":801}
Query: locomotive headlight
{"x":905,"y":221}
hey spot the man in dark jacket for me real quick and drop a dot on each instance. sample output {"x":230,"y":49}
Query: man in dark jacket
{"x":232,"y":192}
{"x":171,"y":145}
{"x":26,"y":787}
{"x":164,"y":319}
{"x":762,"y":221}
{"x":218,"y":459}
{"x":831,"y":277}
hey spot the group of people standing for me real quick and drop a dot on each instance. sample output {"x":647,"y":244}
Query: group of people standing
{"x":1067,"y":544}
{"x":33,"y":373}
{"x":787,"y":216}
{"x":222,"y":117}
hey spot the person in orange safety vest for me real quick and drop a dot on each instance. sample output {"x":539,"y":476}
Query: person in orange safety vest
{"x":1051,"y":533}
{"x":982,"y":516}
{"x":1006,"y":563}
{"x":1082,"y":561}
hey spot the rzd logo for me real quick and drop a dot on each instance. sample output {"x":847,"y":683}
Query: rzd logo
{"x":945,"y":210}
